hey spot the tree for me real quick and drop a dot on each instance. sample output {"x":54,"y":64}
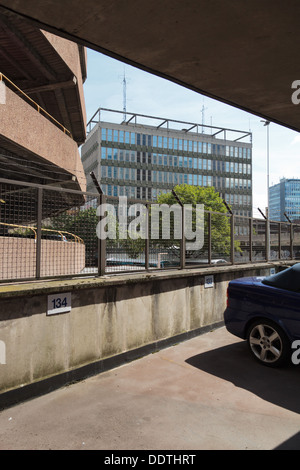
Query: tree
{"x":220,"y":222}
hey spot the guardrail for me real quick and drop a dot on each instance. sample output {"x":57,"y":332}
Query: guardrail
{"x":63,"y":234}
{"x":35,"y":105}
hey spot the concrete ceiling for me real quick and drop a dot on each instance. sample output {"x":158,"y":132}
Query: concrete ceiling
{"x":243,"y":53}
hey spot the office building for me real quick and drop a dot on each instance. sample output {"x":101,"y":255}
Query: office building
{"x":143,"y":156}
{"x":285,"y":199}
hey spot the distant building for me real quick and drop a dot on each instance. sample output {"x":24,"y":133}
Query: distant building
{"x":284,"y":198}
{"x":144,"y":156}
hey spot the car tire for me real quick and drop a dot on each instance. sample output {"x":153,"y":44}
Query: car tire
{"x":268,"y":343}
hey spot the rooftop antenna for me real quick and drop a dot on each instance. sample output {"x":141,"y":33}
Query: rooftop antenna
{"x":203,"y":117}
{"x":124,"y":96}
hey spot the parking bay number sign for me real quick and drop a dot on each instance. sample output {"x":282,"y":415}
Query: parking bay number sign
{"x":59,"y":303}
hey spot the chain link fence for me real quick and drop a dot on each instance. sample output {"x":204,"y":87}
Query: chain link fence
{"x":48,"y":232}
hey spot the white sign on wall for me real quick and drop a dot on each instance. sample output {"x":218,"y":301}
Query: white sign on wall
{"x":209,"y":281}
{"x":59,"y":303}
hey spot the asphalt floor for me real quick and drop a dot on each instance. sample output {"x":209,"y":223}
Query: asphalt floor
{"x":206,"y":393}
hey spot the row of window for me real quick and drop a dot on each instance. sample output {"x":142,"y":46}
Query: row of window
{"x":152,"y":193}
{"x":174,"y":143}
{"x":171,"y":161}
{"x":166,"y":177}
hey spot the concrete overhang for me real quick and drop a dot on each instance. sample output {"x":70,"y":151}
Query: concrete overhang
{"x":243,"y":53}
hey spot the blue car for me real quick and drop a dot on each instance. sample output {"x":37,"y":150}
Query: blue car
{"x":265,"y":311}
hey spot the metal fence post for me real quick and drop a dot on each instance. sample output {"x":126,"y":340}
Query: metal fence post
{"x":267,"y":239}
{"x":292,"y":240}
{"x":147,"y":242}
{"x":279,"y":240}
{"x":101,"y":245}
{"x":250,"y":239}
{"x":209,"y":238}
{"x":182,"y":242}
{"x":38,"y":245}
{"x":232,"y":238}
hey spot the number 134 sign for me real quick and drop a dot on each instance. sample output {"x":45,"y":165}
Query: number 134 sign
{"x":59,"y":303}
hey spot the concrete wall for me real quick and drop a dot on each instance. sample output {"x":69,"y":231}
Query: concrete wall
{"x":27,"y":128}
{"x":111,"y":319}
{"x":18,"y":258}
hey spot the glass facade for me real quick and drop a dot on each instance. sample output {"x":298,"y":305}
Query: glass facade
{"x":144,"y":161}
{"x":285,"y":199}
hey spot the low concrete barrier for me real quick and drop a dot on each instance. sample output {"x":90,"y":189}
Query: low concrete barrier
{"x":107,"y":321}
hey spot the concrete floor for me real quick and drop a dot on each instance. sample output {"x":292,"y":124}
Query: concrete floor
{"x":204,"y":394}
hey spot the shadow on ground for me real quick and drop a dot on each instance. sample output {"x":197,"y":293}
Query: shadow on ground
{"x":235,"y":364}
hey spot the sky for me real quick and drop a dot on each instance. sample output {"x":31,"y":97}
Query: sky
{"x":151,"y":95}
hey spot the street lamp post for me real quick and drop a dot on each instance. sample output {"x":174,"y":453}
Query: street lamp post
{"x":266,"y":123}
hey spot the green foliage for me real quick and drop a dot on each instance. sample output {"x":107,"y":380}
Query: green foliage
{"x":220,"y":224}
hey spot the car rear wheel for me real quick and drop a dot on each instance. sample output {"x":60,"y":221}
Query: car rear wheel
{"x":268,"y":343}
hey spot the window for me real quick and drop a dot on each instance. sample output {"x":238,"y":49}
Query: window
{"x":103,"y":134}
{"x":109,"y":153}
{"x":109,"y":135}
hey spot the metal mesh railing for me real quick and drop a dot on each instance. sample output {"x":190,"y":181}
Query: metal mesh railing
{"x":53,"y":232}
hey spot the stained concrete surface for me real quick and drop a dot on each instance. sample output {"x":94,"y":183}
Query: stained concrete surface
{"x":203,"y":394}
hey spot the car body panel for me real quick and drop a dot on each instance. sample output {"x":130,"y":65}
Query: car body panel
{"x":251,"y":298}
